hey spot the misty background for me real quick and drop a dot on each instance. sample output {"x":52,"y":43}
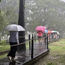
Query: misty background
{"x":50,"y":13}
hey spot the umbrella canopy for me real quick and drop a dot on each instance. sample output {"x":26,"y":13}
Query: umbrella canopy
{"x":49,"y":31}
{"x":45,"y":27}
{"x":54,"y":31}
{"x":15,"y":27}
{"x":46,"y":31}
{"x":58,"y":33}
{"x":40,"y":28}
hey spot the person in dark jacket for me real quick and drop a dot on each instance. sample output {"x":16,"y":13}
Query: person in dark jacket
{"x":13,"y":40}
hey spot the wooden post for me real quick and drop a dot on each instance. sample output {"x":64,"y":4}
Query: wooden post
{"x":29,"y":42}
{"x":47,"y":41}
{"x":32,"y":48}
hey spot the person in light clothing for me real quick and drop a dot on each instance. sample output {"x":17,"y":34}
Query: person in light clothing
{"x":13,"y":40}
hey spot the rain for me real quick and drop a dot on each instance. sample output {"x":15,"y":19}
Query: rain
{"x":44,"y":13}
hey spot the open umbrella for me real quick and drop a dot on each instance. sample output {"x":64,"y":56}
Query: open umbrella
{"x":14,"y":27}
{"x":49,"y":31}
{"x":46,"y":31}
{"x":40,"y":28}
{"x":58,"y":33}
{"x":54,"y":31}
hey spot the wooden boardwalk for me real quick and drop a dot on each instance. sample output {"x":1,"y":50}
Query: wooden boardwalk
{"x":25,"y":56}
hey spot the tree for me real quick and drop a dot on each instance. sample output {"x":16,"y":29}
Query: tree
{"x":21,"y":22}
{"x":0,"y":0}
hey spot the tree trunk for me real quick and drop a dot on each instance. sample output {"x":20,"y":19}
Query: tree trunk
{"x":21,"y":22}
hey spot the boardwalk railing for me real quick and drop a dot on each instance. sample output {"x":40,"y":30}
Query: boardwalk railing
{"x":34,"y":50}
{"x":36,"y":46}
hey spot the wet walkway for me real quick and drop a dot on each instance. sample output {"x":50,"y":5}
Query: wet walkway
{"x":25,"y":56}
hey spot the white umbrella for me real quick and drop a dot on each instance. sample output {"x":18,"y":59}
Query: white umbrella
{"x":58,"y":33}
{"x":15,"y":27}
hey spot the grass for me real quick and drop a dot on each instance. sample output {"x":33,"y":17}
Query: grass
{"x":3,"y":56}
{"x":4,"y":48}
{"x":56,"y":55}
{"x":27,"y":44}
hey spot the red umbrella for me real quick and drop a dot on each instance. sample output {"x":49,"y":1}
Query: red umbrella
{"x":40,"y":28}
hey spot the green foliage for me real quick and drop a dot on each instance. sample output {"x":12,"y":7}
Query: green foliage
{"x":50,"y":63}
{"x":8,"y":13}
{"x":52,"y":11}
{"x":0,"y":0}
{"x":2,"y":21}
{"x":3,"y":56}
{"x":3,"y":42}
{"x":4,"y":48}
{"x":43,"y":12}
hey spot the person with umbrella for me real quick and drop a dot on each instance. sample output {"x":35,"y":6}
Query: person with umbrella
{"x":49,"y":35}
{"x":13,"y":40}
{"x":40,"y":35}
{"x":40,"y":30}
{"x":45,"y":35}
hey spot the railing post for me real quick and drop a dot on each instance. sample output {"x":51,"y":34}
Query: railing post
{"x":32,"y":48}
{"x":29,"y":42}
{"x":47,"y":41}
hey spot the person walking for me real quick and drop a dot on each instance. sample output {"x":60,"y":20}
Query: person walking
{"x":13,"y":40}
{"x":40,"y":35}
{"x":44,"y":37}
